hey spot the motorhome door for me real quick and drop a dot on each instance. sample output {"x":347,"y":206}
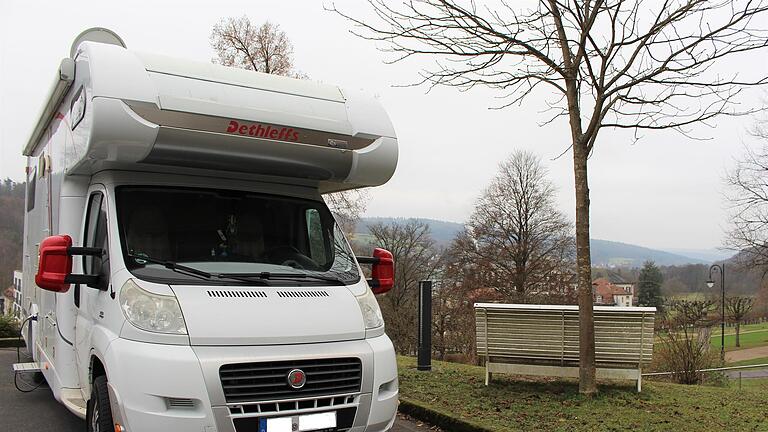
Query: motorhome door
{"x":90,"y":300}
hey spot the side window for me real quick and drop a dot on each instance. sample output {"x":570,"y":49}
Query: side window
{"x":315,"y":233}
{"x":31,"y":185}
{"x":96,"y":236}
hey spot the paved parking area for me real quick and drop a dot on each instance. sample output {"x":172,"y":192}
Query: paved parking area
{"x":34,"y":411}
{"x":38,"y":411}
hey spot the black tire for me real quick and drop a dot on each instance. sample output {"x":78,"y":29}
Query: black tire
{"x":98,"y":414}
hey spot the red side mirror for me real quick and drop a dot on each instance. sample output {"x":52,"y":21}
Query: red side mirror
{"x":382,"y":271}
{"x":55,"y":263}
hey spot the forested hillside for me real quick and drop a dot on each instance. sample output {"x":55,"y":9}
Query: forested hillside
{"x":11,"y":229}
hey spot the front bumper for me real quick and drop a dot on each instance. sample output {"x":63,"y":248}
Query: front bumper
{"x":177,"y":388}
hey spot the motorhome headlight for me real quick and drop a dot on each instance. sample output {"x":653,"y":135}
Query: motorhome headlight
{"x":370,"y":309}
{"x":151,"y":312}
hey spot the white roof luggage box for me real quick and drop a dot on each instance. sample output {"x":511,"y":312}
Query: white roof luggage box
{"x":132,"y":110}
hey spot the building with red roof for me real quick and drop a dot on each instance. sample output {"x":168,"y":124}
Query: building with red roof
{"x":605,"y":293}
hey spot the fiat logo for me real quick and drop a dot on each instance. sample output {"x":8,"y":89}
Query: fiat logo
{"x":297,"y":378}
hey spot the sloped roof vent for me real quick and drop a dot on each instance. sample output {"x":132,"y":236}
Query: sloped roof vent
{"x":96,"y":34}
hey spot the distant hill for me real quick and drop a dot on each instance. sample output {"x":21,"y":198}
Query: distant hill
{"x":442,"y":231}
{"x":605,"y":253}
{"x":708,"y":255}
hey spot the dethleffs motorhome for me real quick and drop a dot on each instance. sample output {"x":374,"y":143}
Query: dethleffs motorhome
{"x":181,"y":270}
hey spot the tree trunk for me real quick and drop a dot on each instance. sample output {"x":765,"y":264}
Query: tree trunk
{"x":738,"y":327}
{"x":587,"y":383}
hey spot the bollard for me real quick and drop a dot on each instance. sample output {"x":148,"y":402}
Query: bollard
{"x":424,"y":361}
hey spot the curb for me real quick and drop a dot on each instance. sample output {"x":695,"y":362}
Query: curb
{"x":443,"y":421}
{"x":11,"y":343}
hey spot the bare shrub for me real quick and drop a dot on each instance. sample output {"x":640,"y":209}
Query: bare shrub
{"x":685,"y":346}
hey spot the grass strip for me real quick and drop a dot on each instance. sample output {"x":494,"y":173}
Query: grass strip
{"x":11,"y":343}
{"x":512,"y":403}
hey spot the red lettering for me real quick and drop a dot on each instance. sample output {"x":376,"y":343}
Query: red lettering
{"x":260,"y":131}
{"x":289,"y":134}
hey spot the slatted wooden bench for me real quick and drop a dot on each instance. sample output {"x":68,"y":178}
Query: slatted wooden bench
{"x":544,"y":340}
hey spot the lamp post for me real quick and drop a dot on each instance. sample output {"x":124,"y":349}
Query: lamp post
{"x":711,"y":284}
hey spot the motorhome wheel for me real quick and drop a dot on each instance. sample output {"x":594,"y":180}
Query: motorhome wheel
{"x":99,"y":412}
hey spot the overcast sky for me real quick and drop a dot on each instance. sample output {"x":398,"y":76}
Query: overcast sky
{"x":664,"y":191}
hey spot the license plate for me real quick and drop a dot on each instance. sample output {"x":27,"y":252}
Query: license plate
{"x":301,"y":423}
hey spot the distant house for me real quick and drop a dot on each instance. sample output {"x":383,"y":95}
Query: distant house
{"x":618,"y":280}
{"x":605,"y":293}
{"x":6,"y":301}
{"x":13,"y":296}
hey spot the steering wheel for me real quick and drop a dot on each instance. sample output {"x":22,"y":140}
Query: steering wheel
{"x":292,"y":263}
{"x":289,"y":256}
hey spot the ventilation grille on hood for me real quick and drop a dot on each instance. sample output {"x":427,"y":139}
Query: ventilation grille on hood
{"x":302,"y":294}
{"x":237,"y":294}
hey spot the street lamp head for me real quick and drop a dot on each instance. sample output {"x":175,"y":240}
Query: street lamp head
{"x":710,"y":283}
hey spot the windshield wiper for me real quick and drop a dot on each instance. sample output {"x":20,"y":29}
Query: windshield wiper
{"x":179,"y":268}
{"x":191,"y":271}
{"x":265,"y":276}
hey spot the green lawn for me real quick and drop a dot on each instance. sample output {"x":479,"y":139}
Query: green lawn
{"x":548,"y":405}
{"x":751,"y":336}
{"x":747,"y":327}
{"x":755,"y":361}
{"x":753,"y":384}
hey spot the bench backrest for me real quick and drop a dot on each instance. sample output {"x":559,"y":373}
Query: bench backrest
{"x":549,"y":334}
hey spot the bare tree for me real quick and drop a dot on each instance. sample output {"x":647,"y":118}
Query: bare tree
{"x":462,"y":283}
{"x":519,"y":233}
{"x":748,"y":199}
{"x":616,"y":64}
{"x":416,"y":258}
{"x":266,"y":48}
{"x":449,"y":324}
{"x":737,"y":308}
{"x":348,"y":206}
{"x":761,"y":302}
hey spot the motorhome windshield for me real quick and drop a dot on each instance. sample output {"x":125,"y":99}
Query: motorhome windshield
{"x":211,"y":236}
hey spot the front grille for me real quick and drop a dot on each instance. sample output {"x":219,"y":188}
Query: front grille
{"x":292,"y":406}
{"x":251,"y":382}
{"x":345,"y":417}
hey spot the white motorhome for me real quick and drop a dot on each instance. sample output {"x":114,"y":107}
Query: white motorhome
{"x":181,"y":270}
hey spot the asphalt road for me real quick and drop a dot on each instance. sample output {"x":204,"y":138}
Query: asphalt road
{"x":38,"y":411}
{"x":748,"y":373}
{"x":34,"y":411}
